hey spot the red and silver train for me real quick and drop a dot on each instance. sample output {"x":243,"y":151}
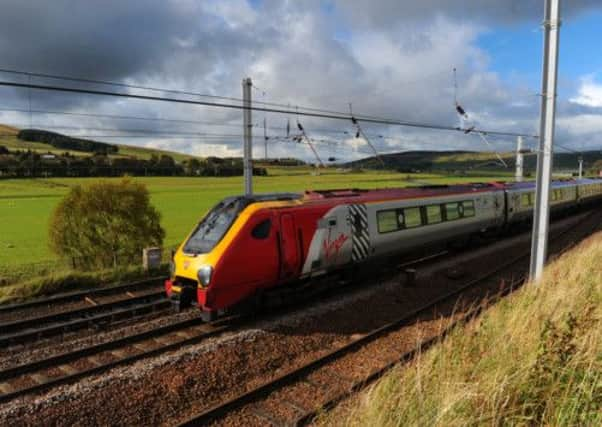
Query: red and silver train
{"x":248,"y":245}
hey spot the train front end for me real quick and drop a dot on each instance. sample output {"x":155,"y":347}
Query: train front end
{"x":193,"y":264}
{"x":232,"y":254}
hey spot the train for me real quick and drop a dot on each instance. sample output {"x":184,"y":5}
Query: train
{"x":248,"y":245}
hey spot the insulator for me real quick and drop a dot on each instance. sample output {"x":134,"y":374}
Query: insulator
{"x":460,"y":110}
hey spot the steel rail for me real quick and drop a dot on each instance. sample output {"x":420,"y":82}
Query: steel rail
{"x":72,"y":374}
{"x":76,"y":295}
{"x":407,"y":356}
{"x":80,"y":318}
{"x":222,"y":409}
{"x":70,"y":356}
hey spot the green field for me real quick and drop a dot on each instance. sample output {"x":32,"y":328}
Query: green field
{"x":26,"y":204}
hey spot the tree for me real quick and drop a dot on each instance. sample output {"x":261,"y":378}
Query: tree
{"x":105,"y":224}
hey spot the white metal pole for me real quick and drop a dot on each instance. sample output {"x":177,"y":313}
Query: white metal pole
{"x":580,"y":167}
{"x":541,"y":216}
{"x":519,"y":159}
{"x":248,"y":137}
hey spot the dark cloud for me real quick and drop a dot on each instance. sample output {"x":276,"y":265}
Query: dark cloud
{"x":384,"y":14}
{"x":294,"y":51}
{"x":111,"y":39}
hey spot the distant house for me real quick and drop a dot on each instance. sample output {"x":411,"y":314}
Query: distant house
{"x":48,"y":156}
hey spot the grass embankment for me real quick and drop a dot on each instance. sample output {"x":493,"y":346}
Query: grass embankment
{"x":533,"y":359}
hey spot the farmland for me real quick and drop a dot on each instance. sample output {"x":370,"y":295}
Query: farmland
{"x":26,"y":204}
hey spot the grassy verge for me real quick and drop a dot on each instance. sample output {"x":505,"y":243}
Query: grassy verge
{"x":533,"y":359}
{"x":70,"y":280}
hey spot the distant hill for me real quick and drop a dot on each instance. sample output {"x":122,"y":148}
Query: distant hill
{"x":39,"y":153}
{"x":42,"y":141}
{"x":465,"y":161}
{"x":65,"y":142}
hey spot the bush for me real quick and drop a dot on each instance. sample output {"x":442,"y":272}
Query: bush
{"x":105,"y":225}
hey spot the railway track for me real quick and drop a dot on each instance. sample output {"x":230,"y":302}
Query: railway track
{"x":81,"y":295}
{"x":59,"y":369}
{"x":101,"y":357}
{"x":94,"y":315}
{"x":70,"y":366}
{"x":267,"y":402}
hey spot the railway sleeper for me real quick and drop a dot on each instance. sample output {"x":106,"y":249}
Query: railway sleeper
{"x":262,"y":413}
{"x":294,"y":405}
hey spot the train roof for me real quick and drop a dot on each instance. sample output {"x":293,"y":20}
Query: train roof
{"x":557,"y":183}
{"x":355,"y":195}
{"x":399,"y":193}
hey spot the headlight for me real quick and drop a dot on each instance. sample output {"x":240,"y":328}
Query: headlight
{"x":204,"y":275}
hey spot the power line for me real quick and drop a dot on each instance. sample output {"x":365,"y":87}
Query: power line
{"x":109,"y":83}
{"x":334,"y":116}
{"x":116,"y":116}
{"x":154,"y":89}
{"x":143,"y":131}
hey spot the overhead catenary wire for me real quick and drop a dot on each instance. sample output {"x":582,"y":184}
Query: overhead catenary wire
{"x":334,"y":116}
{"x":116,"y":117}
{"x":361,"y":133}
{"x":306,"y":138}
{"x":150,"y":88}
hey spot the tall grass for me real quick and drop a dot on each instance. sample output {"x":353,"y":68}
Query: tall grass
{"x":533,"y":359}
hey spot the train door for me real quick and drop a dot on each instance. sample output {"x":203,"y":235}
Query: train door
{"x":360,"y":236}
{"x":290,"y":258}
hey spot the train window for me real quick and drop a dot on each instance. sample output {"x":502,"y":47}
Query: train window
{"x":213,"y":227}
{"x":387,"y":221}
{"x":452,"y":211}
{"x":262,"y":230}
{"x":412,"y":217}
{"x":468,"y":208}
{"x":433,"y":214}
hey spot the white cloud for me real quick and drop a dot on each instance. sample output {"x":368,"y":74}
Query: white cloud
{"x":218,"y":150}
{"x":582,"y":124}
{"x":590,"y":93}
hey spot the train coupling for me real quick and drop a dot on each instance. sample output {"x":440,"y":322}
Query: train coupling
{"x":181,"y":295}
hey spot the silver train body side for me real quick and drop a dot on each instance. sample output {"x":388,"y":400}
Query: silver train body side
{"x":350,"y":233}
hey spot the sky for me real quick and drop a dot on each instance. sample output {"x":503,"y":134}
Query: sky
{"x":383,"y":58}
